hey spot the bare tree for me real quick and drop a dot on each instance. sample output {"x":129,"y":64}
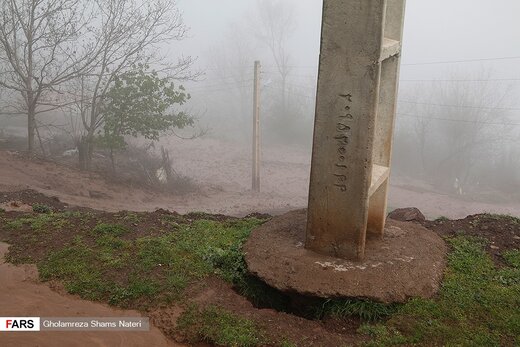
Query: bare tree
{"x":40,"y":50}
{"x":129,"y":32}
{"x":231,"y":77}
{"x":474,"y":124}
{"x":50,"y":47}
{"x":274,"y":27}
{"x":460,"y":125}
{"x":421,"y":125}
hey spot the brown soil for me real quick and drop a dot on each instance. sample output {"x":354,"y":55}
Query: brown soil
{"x":278,"y":326}
{"x":409,"y":261}
{"x":210,"y":292}
{"x":222,"y":172}
{"x":76,"y":188}
{"x":501,"y":233}
{"x":23,"y":296}
{"x":26,"y":293}
{"x":32,"y":197}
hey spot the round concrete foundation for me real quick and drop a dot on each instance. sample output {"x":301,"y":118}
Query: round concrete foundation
{"x":407,"y":262}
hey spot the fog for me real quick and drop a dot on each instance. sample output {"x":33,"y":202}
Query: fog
{"x":458,"y":119}
{"x":455,"y":53}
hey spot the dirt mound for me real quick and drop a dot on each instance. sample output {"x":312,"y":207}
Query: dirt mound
{"x":16,"y":206}
{"x":501,"y":232}
{"x":31,"y":197}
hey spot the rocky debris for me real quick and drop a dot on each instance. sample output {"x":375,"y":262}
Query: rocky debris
{"x":409,"y":214}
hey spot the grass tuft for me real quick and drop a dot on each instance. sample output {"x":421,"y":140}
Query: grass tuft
{"x":364,"y":309}
{"x":40,"y":208}
{"x":501,"y":217}
{"x":220,"y":327}
{"x":512,"y":257}
{"x":110,"y":229}
{"x":475,"y":307}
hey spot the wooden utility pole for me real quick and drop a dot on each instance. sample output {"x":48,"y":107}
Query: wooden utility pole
{"x":256,"y":129}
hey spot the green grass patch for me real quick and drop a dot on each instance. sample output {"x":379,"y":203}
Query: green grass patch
{"x":136,"y":289}
{"x":501,"y":217}
{"x":512,"y":257}
{"x":15,"y":224}
{"x":40,"y":208}
{"x":364,"y":309}
{"x":39,"y":222}
{"x":510,"y":276}
{"x":131,"y":217}
{"x":382,"y":335}
{"x":287,"y":343}
{"x":217,"y":326}
{"x":148,"y":271}
{"x":78,"y":268}
{"x":110,"y":229}
{"x":475,"y":307}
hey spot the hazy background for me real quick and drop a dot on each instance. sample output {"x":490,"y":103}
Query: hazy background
{"x":458,"y":122}
{"x":459,"y":115}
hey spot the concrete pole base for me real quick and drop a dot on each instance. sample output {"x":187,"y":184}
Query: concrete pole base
{"x":407,"y":262}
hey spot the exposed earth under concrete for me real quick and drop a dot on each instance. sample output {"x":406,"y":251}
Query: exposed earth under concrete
{"x":408,"y":262}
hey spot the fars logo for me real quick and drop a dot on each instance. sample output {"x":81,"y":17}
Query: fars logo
{"x":19,"y":323}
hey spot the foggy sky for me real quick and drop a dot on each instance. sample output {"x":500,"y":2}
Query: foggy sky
{"x":442,"y":30}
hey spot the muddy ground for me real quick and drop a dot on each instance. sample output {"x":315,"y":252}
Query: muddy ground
{"x":221,"y":172}
{"x":501,"y":233}
{"x":23,"y":295}
{"x":208,"y":292}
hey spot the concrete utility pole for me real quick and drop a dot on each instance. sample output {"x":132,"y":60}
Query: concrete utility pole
{"x":256,"y":129}
{"x":355,"y":113}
